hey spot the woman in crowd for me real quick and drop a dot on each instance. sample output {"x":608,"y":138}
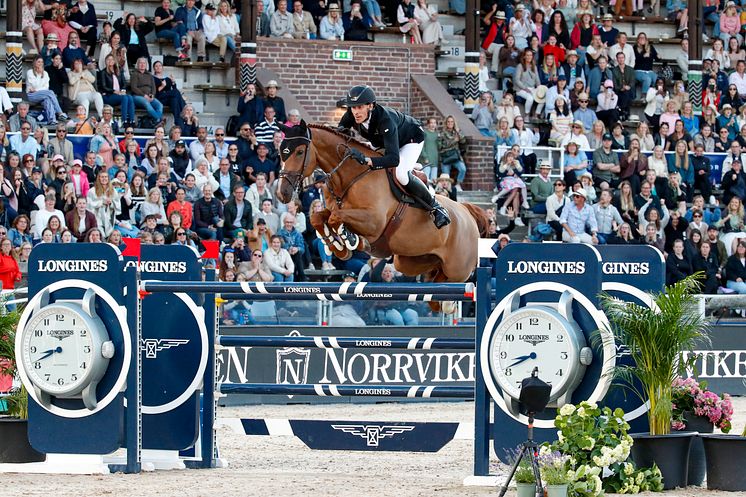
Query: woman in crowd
{"x":678,"y":266}
{"x":408,"y":23}
{"x":549,"y":71}
{"x":645,"y":56}
{"x":735,"y":51}
{"x":190,"y":121}
{"x":167,"y":92}
{"x":731,"y":225}
{"x":20,"y":233}
{"x":279,"y":261}
{"x":596,"y":135}
{"x":643,"y":136}
{"x":526,"y":139}
{"x":649,"y":214}
{"x":624,"y":201}
{"x":561,"y":119}
{"x":508,"y":59}
{"x":526,"y":80}
{"x":103,"y":201}
{"x":124,"y":223}
{"x":113,"y":86}
{"x":511,"y":184}
{"x":256,"y":269}
{"x":160,"y":141}
{"x":427,"y":19}
{"x":133,"y":31}
{"x":656,"y":99}
{"x":37,"y":91}
{"x":576,"y":163}
{"x":228,"y":23}
{"x":582,"y":34}
{"x":103,"y":144}
{"x":707,"y":262}
{"x":210,"y":155}
{"x":82,"y":88}
{"x":154,"y":205}
{"x":735,"y":269}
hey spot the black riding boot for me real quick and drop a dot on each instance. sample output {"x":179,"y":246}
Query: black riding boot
{"x":417,"y":189}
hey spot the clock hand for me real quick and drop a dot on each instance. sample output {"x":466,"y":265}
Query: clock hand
{"x":49,"y":352}
{"x":523,"y":358}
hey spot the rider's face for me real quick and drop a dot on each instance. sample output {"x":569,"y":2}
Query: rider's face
{"x":360,"y":112}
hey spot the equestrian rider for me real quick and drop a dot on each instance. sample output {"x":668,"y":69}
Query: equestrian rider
{"x":402,"y":138}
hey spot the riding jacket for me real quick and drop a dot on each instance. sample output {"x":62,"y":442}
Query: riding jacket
{"x":386,"y":128}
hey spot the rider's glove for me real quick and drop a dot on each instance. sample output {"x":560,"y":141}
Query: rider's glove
{"x":358,"y":156}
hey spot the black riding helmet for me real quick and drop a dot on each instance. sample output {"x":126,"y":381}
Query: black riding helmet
{"x":360,"y":95}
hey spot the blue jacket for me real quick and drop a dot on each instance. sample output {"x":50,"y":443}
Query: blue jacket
{"x":251,"y":112}
{"x":181,"y":15}
{"x":292,"y":239}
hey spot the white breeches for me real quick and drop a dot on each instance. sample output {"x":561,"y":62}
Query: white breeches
{"x":408,"y":157}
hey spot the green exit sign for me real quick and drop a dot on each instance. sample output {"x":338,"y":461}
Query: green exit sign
{"x":343,"y":55}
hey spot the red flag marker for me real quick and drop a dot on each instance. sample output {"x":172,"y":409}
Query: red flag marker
{"x":212,"y":249}
{"x":132,"y":248}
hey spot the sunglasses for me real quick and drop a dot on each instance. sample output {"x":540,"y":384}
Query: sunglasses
{"x":219,"y":134}
{"x":60,"y":173}
{"x":181,"y":234}
{"x":129,"y":132}
{"x":257,"y":255}
{"x":583,"y":101}
{"x":697,"y":215}
{"x":25,"y":128}
{"x":61,"y":131}
{"x":32,"y":160}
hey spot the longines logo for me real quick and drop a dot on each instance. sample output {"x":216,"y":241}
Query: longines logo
{"x":533,"y":339}
{"x":60,"y":334}
{"x":546,"y":267}
{"x":151,"y":346}
{"x":374,"y":433}
{"x":625,"y":267}
{"x":95,"y":266}
{"x":159,"y":266}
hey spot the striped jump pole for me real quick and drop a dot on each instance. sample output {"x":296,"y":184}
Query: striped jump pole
{"x":368,"y":390}
{"x":347,"y":342}
{"x":336,"y":297}
{"x":453,"y":291}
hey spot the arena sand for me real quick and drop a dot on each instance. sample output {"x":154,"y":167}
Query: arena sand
{"x":283,"y":466}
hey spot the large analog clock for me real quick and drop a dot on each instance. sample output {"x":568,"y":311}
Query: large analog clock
{"x":543,"y":339}
{"x":65,"y":350}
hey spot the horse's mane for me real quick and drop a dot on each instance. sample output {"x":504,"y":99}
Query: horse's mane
{"x":347,"y":137}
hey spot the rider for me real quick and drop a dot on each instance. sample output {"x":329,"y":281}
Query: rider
{"x":402,"y":138}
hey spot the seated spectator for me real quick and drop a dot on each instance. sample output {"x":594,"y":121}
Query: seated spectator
{"x":44,"y":215}
{"x":24,"y":143}
{"x":558,"y":90}
{"x":561,"y":119}
{"x":541,"y":188}
{"x":706,"y":216}
{"x":526,"y":140}
{"x":208,"y":215}
{"x":73,"y":51}
{"x":332,"y":26}
{"x":103,"y":144}
{"x":50,"y":48}
{"x":508,"y":60}
{"x":644,"y":138}
{"x":229,"y":27}
{"x":37,"y":90}
{"x":649,"y":214}
{"x":191,"y":16}
{"x":408,"y":23}
{"x":576,"y":219}
{"x":549,"y":71}
{"x":608,"y":219}
{"x":356,"y":22}
{"x":577,"y":135}
{"x":279,"y":260}
{"x":432,"y":31}
{"x":83,"y":19}
{"x":266,"y":129}
{"x":113,"y":47}
{"x":678,"y":266}
{"x":80,"y":220}
{"x":706,"y":262}
{"x":60,"y":145}
{"x":183,"y":207}
{"x":167,"y":93}
{"x":260,"y":163}
{"x":211,"y":27}
{"x":676,"y":230}
{"x":295,"y":245}
{"x":521,"y":26}
{"x":111,"y":83}
{"x":397,"y":314}
{"x":82,"y":89}
{"x":575,"y":164}
{"x":303,"y":24}
{"x":484,"y":115}
{"x":730,"y":22}
{"x":256,"y":269}
{"x":644,"y":56}
{"x":281,"y":24}
{"x":142,"y":86}
{"x":58,"y":25}
{"x":226,"y":179}
{"x":619,"y":137}
{"x":168,"y":28}
{"x":133,"y":31}
{"x":238,"y":214}
{"x":717,"y":52}
{"x":606,"y":165}
{"x":511,"y":185}
{"x":30,"y":27}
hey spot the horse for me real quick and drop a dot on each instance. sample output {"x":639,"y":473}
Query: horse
{"x":361,"y":199}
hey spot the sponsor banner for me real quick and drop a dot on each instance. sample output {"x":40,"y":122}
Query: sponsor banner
{"x":369,"y":366}
{"x":723,"y":364}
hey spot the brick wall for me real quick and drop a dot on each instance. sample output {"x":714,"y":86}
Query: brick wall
{"x":308,"y":72}
{"x":307,"y":69}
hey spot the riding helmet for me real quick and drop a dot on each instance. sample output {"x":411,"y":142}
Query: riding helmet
{"x":360,"y":95}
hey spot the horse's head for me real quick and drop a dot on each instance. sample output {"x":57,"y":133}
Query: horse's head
{"x":296,"y":154}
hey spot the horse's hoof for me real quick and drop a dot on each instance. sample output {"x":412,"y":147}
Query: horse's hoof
{"x":448,"y":307}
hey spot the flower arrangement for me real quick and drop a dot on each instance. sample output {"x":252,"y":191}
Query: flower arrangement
{"x":690,"y":395}
{"x":596,"y":445}
{"x":553,"y":466}
{"x":524,"y":473}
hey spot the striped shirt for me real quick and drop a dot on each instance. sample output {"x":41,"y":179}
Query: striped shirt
{"x":265,"y":131}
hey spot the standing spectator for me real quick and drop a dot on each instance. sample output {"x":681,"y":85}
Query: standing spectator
{"x":277,"y":103}
{"x":133,"y":31}
{"x":250,"y":107}
{"x":484,"y":115}
{"x":168,"y":28}
{"x":624,"y":84}
{"x":430,"y":158}
{"x":281,"y":24}
{"x":450,"y":144}
{"x":191,"y":16}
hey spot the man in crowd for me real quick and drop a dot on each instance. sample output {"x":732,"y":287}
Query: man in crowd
{"x":238,"y":213}
{"x":576,"y":218}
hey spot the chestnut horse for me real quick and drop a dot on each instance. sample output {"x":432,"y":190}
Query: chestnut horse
{"x":361,"y":199}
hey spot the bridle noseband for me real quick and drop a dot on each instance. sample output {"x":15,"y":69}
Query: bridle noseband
{"x":295,"y":178}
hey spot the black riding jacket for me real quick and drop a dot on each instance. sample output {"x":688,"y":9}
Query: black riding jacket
{"x":387,"y":129}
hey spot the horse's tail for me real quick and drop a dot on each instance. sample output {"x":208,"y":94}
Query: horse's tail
{"x":480,"y":216}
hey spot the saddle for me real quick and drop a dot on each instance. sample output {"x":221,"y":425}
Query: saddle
{"x":380,"y":247}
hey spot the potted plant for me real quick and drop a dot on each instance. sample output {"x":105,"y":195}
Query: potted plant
{"x":525,"y":482}
{"x":695,"y":408}
{"x":14,"y":444}
{"x":724,"y":455}
{"x":555,"y":474}
{"x":655,"y":338}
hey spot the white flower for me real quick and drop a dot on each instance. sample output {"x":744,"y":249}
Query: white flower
{"x":544,"y":450}
{"x":581,"y":411}
{"x":628,"y":469}
{"x":591,"y":405}
{"x":567,"y":409}
{"x":560,"y":435}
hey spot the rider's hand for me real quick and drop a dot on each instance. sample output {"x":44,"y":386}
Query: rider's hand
{"x":358,"y":156}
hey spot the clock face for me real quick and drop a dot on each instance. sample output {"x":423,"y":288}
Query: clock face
{"x":58,"y":349}
{"x":533,"y":338}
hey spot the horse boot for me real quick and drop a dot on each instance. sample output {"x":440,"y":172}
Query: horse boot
{"x":419,"y":191}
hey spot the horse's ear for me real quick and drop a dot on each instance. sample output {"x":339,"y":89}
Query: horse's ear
{"x":303,"y":124}
{"x":283,"y":128}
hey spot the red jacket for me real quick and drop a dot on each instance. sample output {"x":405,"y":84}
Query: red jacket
{"x":575,"y":35}
{"x":495,"y":34}
{"x":557,"y":51}
{"x":9,"y":272}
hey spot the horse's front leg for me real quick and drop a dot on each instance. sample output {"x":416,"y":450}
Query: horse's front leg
{"x":349,"y":223}
{"x":333,"y":243}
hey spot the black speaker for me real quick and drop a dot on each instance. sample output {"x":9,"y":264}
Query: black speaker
{"x":534,"y":394}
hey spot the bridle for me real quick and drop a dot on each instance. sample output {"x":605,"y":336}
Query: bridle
{"x":295,"y":178}
{"x":339,"y":197}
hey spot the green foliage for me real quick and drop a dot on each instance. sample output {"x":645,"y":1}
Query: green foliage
{"x":18,"y":400}
{"x":655,"y":339}
{"x":524,"y":473}
{"x":594,"y":439}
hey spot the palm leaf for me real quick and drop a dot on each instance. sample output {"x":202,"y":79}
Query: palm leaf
{"x":655,"y":340}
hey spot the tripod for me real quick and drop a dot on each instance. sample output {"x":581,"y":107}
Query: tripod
{"x":529,"y":449}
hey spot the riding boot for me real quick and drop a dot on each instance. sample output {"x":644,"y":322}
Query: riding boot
{"x":417,"y":189}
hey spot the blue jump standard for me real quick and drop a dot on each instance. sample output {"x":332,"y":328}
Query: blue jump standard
{"x":326,"y":390}
{"x":411,"y":343}
{"x":455,"y":291}
{"x":373,"y":297}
